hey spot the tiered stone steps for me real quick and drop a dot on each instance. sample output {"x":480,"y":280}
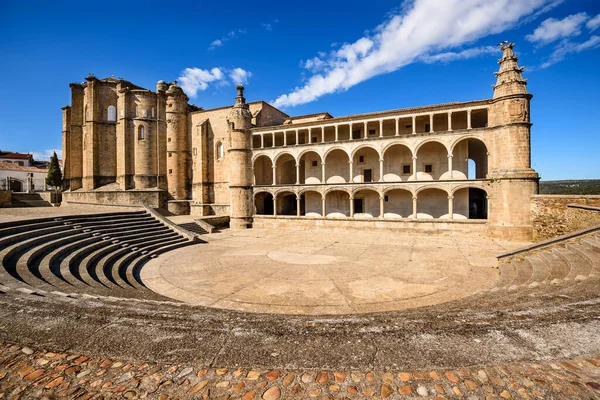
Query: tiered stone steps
{"x":568,"y":269}
{"x":28,"y":200}
{"x":97,"y":254}
{"x":193,"y":227}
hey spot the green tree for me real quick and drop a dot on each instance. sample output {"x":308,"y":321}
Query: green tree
{"x":54,"y":177}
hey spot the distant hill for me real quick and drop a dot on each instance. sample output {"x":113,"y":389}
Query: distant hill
{"x":587,"y":186}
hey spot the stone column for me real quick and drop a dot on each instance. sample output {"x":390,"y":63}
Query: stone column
{"x":449,"y":121}
{"x":322,"y":172}
{"x":431,"y":123}
{"x":351,"y":207}
{"x":381,"y":170}
{"x":351,"y":172}
{"x":274,"y":206}
{"x":309,"y":135}
{"x":414,"y":124}
{"x":323,"y":204}
{"x":451,"y":207}
{"x":450,"y":167}
{"x":297,"y":138}
{"x":415,"y":167}
{"x":414,"y":207}
{"x":297,"y":174}
{"x":336,"y":133}
{"x":274,"y":175}
{"x":284,"y":138}
{"x":469,"y":119}
{"x":381,"y":206}
{"x":262,"y":140}
{"x":380,"y":128}
{"x":350,"y":128}
{"x":298,"y":206}
{"x":273,"y":140}
{"x":397,"y":126}
{"x":323,"y":135}
{"x":366,"y":130}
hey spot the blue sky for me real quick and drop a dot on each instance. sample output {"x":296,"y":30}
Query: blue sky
{"x":341,"y":57}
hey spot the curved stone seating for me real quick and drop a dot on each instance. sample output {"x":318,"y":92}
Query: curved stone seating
{"x":85,"y":253}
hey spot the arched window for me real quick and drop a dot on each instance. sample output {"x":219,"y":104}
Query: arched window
{"x":141,"y":133}
{"x":112,"y":113}
{"x":220,"y":150}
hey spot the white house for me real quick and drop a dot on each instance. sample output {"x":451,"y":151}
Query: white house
{"x":18,"y":178}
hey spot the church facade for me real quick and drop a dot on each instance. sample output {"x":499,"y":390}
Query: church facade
{"x":460,"y":165}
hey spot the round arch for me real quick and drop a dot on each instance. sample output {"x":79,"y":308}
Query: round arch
{"x":337,"y":166}
{"x":398,"y":203}
{"x":397,"y":162}
{"x":285,"y":202}
{"x":366,"y":203}
{"x":432,"y":202}
{"x":337,"y":203}
{"x":432,"y":161}
{"x":281,"y":154}
{"x":470,"y":202}
{"x":311,"y":167}
{"x":470,"y":158}
{"x":311,"y":203}
{"x":427,"y":141}
{"x":262,"y":167}
{"x":285,"y":169}
{"x":263,"y":203}
{"x":362,"y":147}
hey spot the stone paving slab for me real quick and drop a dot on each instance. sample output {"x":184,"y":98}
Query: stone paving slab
{"x":42,"y":374}
{"x":325,"y":272}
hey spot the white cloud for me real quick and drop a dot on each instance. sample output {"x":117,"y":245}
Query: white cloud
{"x":593,"y":23}
{"x":45,"y":155}
{"x":193,"y":80}
{"x":565,"y":48}
{"x":221,"y":42}
{"x":269,"y":26}
{"x":554,"y":29}
{"x":239,"y":75}
{"x":461,"y":55}
{"x":422,"y":29}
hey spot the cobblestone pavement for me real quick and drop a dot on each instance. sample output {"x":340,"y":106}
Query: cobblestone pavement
{"x":29,"y":374}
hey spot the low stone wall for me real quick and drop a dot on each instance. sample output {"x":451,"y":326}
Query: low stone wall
{"x":5,"y":198}
{"x":148,"y":198}
{"x":443,"y":227}
{"x":551,"y":215}
{"x":51,"y":197}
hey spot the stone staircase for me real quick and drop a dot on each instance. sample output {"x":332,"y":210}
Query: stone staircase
{"x":95,"y":254}
{"x":566,"y":268}
{"x":28,"y":200}
{"x":195,"y":228}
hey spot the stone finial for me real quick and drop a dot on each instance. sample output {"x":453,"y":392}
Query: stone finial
{"x":240,"y":90}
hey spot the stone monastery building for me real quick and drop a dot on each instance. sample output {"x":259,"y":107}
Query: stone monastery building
{"x":454,"y":166}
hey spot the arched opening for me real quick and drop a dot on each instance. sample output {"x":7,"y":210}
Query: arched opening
{"x":366,"y":204}
{"x":337,"y":168}
{"x":469,"y":159}
{"x":311,"y":204}
{"x":263,"y":203}
{"x":15,"y":185}
{"x":263,"y":171}
{"x":398,"y":204}
{"x":397,"y":163}
{"x":111,"y":113}
{"x":432,"y":203}
{"x":365,"y":164}
{"x":286,"y":169}
{"x":286,"y":204}
{"x":220,"y":151}
{"x":337,"y":204}
{"x":432,"y":161}
{"x":311,"y":170}
{"x":470,"y":203}
{"x":141,"y":133}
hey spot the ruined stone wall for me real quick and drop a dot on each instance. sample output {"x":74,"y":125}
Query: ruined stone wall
{"x":551,"y":216}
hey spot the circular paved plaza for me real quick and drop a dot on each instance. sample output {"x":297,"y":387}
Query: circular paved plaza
{"x":325,"y":272}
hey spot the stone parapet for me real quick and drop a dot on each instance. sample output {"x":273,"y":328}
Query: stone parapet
{"x":554,"y":215}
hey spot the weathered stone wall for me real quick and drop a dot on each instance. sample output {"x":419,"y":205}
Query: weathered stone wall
{"x":150,"y":198}
{"x":551,"y":216}
{"x":5,"y":198}
{"x":51,"y":197}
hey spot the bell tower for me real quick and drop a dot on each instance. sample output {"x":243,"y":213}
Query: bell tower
{"x":240,"y":160}
{"x":512,"y":179}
